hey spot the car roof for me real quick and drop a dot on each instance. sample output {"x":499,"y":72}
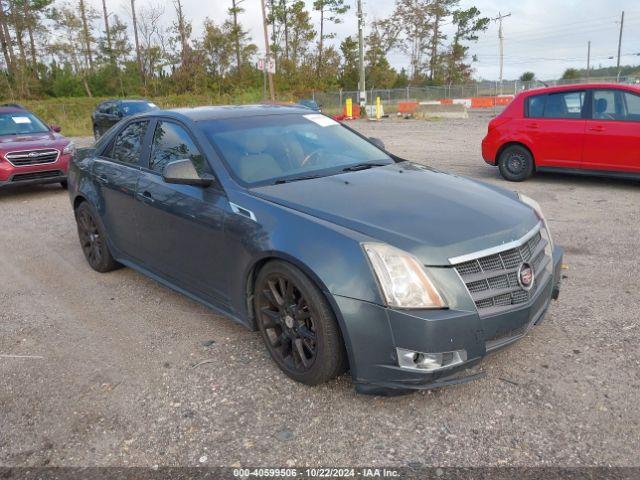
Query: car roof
{"x":13,"y":110}
{"x":200,"y":114}
{"x":582,"y":86}
{"x":125,"y":100}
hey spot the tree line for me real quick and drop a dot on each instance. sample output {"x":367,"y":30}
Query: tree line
{"x":54,"y":48}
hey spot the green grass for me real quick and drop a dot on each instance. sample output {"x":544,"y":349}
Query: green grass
{"x":74,"y":114}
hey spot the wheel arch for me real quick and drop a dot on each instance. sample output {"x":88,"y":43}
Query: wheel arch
{"x":77,"y":201}
{"x":267,"y":257}
{"x":515,"y":143}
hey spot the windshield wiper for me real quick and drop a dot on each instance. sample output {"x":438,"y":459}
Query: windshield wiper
{"x":362,"y":166}
{"x":280,"y":181}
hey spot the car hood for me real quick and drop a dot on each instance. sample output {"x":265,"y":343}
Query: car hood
{"x":434,"y":215}
{"x":31,"y":141}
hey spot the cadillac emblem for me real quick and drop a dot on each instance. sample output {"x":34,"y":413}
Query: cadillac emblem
{"x":526,"y":276}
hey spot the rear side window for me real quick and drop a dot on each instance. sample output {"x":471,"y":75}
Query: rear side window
{"x":536,"y":106}
{"x":616,"y":105}
{"x":567,"y":105}
{"x":171,"y":142}
{"x":127,"y":146}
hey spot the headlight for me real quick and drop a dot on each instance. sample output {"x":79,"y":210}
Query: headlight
{"x":536,"y":208}
{"x":70,"y":149}
{"x":403,"y":281}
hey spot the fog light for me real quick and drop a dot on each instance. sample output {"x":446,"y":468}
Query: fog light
{"x":430,"y":362}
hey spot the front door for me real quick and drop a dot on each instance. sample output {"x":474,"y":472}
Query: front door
{"x":117,"y":171}
{"x":612,"y":139}
{"x":182,"y":226}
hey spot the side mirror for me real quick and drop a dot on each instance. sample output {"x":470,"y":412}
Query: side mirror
{"x":183,"y":172}
{"x":377,"y":142}
{"x":55,"y":128}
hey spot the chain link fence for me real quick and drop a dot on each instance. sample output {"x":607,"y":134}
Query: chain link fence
{"x":333,"y":102}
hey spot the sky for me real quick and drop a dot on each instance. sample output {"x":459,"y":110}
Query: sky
{"x":543,"y":36}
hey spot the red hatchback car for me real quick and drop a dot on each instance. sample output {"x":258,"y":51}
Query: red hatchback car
{"x":31,"y":151}
{"x":580,"y":129}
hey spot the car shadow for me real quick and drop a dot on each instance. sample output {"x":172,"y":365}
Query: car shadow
{"x":553,"y":178}
{"x":583,"y":180}
{"x":30,"y":190}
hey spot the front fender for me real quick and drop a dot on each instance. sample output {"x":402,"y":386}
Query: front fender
{"x":330,"y":255}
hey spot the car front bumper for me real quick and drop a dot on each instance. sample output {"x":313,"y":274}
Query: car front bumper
{"x":54,"y":172}
{"x":374,"y":332}
{"x":61,"y":177}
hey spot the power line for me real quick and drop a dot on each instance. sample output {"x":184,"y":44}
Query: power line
{"x":568,"y":31}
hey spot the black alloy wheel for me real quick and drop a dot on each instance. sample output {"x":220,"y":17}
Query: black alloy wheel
{"x":93,"y":241}
{"x":516,"y":163}
{"x":297,"y":325}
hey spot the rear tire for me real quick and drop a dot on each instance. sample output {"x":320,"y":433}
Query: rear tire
{"x":298,"y":325}
{"x":93,"y":240}
{"x":516,"y":163}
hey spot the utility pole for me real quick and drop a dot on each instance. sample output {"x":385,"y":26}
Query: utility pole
{"x":267,"y":48}
{"x":589,"y":60}
{"x":620,"y":44}
{"x":362,"y":84}
{"x":499,"y":19}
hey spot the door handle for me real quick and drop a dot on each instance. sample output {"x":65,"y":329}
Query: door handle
{"x":101,"y":180}
{"x":146,"y":197}
{"x":533,"y":125}
{"x":598,"y":128}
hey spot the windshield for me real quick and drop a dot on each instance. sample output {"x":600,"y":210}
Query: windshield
{"x":277,"y":148}
{"x":20,"y":123}
{"x":138,"y":107}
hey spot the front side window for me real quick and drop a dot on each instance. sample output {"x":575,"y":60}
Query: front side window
{"x":616,"y":105}
{"x":21,"y":123}
{"x":127,"y":145}
{"x":171,"y":142}
{"x":273,"y":148}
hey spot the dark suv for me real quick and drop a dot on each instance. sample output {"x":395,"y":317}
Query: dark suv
{"x":108,"y":113}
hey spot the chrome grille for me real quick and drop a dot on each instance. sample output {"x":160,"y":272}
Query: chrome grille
{"x":25,"y":158}
{"x":492,"y":280}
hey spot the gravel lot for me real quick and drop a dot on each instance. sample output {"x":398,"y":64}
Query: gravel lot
{"x":112,"y":381}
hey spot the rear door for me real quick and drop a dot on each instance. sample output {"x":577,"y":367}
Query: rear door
{"x":102,"y":117}
{"x":612,"y":141}
{"x":555,"y":126}
{"x":116,"y":172}
{"x":182,"y":225}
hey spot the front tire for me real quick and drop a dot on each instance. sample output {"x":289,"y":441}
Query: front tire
{"x":298,"y":325}
{"x":93,"y":240}
{"x":516,"y":163}
{"x":64,"y":185}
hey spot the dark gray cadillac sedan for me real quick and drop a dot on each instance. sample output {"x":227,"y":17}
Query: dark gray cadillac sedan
{"x":343,"y":256}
